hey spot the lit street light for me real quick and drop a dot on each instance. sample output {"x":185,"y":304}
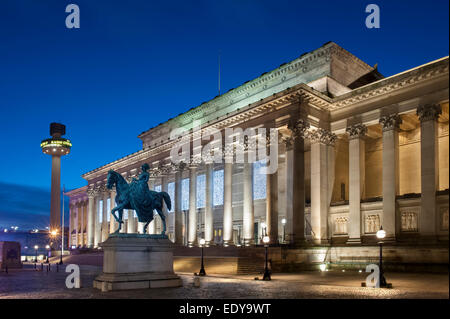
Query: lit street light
{"x":48,"y":251}
{"x":266,"y":275}
{"x":283,"y":221}
{"x":380,"y":235}
{"x":202,"y":268}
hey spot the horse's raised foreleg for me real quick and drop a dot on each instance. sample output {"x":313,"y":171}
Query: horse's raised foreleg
{"x":145,"y":227}
{"x":119,"y":220}
{"x":113,"y":212}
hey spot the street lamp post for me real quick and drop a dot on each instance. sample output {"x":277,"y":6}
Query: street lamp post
{"x":202,"y":271}
{"x":266,"y":275}
{"x":380,"y":235}
{"x":35,"y":253}
{"x":283,"y":221}
{"x":62,"y":229}
{"x":48,"y":251}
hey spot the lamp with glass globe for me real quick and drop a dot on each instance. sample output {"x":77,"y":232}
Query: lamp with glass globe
{"x":266,"y":275}
{"x":381,"y":234}
{"x":202,"y":271}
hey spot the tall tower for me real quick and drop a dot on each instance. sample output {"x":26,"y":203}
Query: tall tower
{"x":56,"y":146}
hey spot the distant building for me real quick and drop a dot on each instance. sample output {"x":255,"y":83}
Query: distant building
{"x":29,"y":239}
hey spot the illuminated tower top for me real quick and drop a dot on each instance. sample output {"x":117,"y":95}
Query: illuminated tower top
{"x":56,"y":145}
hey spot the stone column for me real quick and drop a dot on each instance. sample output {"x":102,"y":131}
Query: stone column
{"x":151,"y":228}
{"x":192,"y":218}
{"x":112,"y":223}
{"x":98,"y":226}
{"x":248,"y":210}
{"x":227,"y":198}
{"x":82,"y":226}
{"x":429,"y":147}
{"x":105,"y":224}
{"x":272,"y":195}
{"x":390,"y":124}
{"x":356,"y":180}
{"x":209,"y":227}
{"x":71,"y":223}
{"x":295,"y":182}
{"x":322,"y":179}
{"x":91,"y":218}
{"x":164,"y":188}
{"x":178,"y":220}
{"x":131,"y":227}
{"x":76,"y":224}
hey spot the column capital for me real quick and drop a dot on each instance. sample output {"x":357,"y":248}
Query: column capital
{"x":299,"y":128}
{"x":288,"y":142}
{"x":91,"y":192}
{"x":390,"y":122}
{"x":228,"y":151}
{"x":429,"y":112}
{"x":195,"y":162}
{"x":323,"y":136}
{"x":178,"y":167}
{"x":356,"y":131}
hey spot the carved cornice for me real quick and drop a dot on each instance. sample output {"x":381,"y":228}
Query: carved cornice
{"x":394,"y":83}
{"x":323,"y":136}
{"x":356,"y":131}
{"x":390,"y":122}
{"x":429,"y":112}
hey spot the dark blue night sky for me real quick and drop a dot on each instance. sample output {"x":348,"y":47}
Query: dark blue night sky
{"x":138,"y":63}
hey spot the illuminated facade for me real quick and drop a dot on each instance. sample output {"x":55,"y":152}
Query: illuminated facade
{"x":356,"y":151}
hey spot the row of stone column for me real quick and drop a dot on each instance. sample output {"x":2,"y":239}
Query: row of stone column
{"x":322,"y":180}
{"x":428,"y":116}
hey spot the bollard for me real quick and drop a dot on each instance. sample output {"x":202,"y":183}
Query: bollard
{"x":57,"y":267}
{"x":49,"y":267}
{"x":42,"y":267}
{"x":196,"y":282}
{"x":34,"y":265}
{"x":6,"y":268}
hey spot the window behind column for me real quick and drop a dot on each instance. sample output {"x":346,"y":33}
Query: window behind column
{"x":259,"y":179}
{"x":201,"y":183}
{"x":218,"y":187}
{"x":171,"y":192}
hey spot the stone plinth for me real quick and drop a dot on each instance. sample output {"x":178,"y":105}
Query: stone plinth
{"x":137,"y":261}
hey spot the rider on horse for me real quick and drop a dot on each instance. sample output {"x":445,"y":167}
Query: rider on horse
{"x":140,"y":187}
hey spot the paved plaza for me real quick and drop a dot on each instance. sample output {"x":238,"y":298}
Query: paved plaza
{"x":31,"y":283}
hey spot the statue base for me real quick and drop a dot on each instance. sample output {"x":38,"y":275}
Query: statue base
{"x":136,"y":261}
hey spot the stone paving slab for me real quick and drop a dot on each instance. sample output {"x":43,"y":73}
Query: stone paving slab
{"x":29,"y":283}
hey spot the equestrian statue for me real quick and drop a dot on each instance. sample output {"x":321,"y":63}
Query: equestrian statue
{"x":138,"y":197}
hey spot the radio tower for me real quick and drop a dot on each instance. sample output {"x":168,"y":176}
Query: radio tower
{"x":56,"y":146}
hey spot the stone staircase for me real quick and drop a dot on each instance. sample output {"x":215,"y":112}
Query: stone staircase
{"x":249,"y":266}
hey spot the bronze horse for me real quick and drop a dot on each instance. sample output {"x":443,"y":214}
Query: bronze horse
{"x":130,"y":197}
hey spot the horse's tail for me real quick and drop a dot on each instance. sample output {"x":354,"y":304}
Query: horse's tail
{"x":166,"y":198}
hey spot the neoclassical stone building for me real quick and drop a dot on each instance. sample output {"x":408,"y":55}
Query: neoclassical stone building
{"x":356,"y":151}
